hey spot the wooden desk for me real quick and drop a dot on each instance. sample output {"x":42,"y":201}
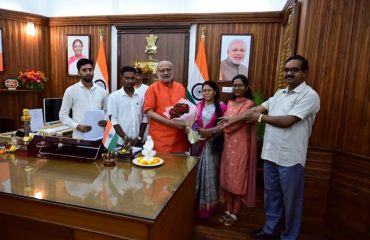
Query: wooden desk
{"x":60,"y":199}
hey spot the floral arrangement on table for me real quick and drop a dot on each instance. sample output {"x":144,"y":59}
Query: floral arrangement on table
{"x":32,"y":79}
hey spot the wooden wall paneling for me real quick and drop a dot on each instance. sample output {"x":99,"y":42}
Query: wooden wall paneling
{"x":260,"y":17}
{"x":339,"y":47}
{"x":333,"y":36}
{"x":349,"y":197}
{"x":319,"y":31}
{"x":288,"y":40}
{"x":58,"y":38}
{"x":356,"y":134}
{"x":234,"y":23}
{"x":21,"y":51}
{"x":264,"y":51}
{"x":225,"y":97}
{"x":172,"y":43}
{"x":317,"y":182}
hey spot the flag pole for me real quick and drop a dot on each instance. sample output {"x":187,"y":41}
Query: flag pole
{"x":203,"y":32}
{"x":200,"y":71}
{"x":101,"y":75}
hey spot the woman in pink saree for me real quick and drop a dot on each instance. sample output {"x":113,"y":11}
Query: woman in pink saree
{"x":238,"y":160}
{"x":208,"y":113}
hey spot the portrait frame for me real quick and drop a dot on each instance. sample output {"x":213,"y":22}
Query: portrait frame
{"x":227,"y":65}
{"x":1,"y":51}
{"x":72,"y":56}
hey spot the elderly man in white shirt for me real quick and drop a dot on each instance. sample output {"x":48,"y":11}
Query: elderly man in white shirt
{"x":82,"y":97}
{"x":126,"y":109}
{"x":291,"y":114}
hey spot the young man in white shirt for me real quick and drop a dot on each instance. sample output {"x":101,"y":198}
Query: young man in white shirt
{"x":81,"y":97}
{"x":126,"y":107}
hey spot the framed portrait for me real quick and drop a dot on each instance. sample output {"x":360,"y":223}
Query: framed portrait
{"x":234,"y":56}
{"x":78,"y":46}
{"x":1,"y":51}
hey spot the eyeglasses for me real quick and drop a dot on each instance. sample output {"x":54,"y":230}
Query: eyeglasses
{"x":165,"y":70}
{"x":207,"y":90}
{"x":293,"y":70}
{"x":238,"y":86}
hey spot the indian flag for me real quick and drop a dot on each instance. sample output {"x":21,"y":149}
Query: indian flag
{"x":101,"y":75}
{"x":110,"y":137}
{"x":199,"y":75}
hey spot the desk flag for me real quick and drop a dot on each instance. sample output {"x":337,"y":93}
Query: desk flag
{"x":199,"y":75}
{"x":110,"y":137}
{"x":101,"y":75}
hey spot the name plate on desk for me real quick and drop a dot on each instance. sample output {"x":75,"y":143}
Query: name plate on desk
{"x":61,"y":147}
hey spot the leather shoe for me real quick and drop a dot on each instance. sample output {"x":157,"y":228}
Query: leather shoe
{"x":260,"y":234}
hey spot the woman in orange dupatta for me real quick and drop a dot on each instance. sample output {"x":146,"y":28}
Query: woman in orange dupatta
{"x":238,"y":160}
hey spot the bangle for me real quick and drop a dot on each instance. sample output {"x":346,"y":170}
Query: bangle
{"x":260,"y":118}
{"x":214,"y":131}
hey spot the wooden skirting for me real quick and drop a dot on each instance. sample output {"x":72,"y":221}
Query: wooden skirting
{"x":348,"y":205}
{"x":337,"y":194}
{"x":317,"y":182}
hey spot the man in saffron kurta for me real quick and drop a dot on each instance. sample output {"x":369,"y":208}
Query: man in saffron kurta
{"x":168,"y":134}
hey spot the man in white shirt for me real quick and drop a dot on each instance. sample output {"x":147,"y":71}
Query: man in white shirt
{"x":126,"y":107}
{"x":82,"y":97}
{"x":291,"y":114}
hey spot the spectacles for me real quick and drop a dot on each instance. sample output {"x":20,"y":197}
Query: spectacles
{"x":165,"y":70}
{"x":207,"y":90}
{"x":293,"y":70}
{"x":238,"y":86}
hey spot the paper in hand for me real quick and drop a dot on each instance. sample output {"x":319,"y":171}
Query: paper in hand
{"x":92,"y":119}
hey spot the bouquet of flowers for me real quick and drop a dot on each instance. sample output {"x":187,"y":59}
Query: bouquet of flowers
{"x":32,"y":79}
{"x":178,"y":110}
{"x":186,"y":111}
